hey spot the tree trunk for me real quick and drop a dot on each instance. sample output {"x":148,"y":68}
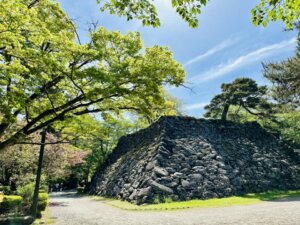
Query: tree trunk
{"x":38,"y":175}
{"x":225,"y":111}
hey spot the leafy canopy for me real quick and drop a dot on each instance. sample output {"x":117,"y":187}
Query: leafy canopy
{"x":266,"y":11}
{"x":287,"y":11}
{"x":46,"y":75}
{"x":243,"y":93}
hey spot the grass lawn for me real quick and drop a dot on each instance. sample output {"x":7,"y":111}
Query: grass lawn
{"x":218,"y":202}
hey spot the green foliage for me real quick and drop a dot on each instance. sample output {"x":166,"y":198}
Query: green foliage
{"x":42,"y":201}
{"x":18,"y":164}
{"x":289,"y":127}
{"x":145,"y":10}
{"x":266,"y":11}
{"x":27,"y":194}
{"x":80,"y":190}
{"x":285,"y":78}
{"x":243,"y":93}
{"x":47,"y":76}
{"x":286,"y":123}
{"x":287,"y":11}
{"x":11,"y":204}
{"x":6,"y":190}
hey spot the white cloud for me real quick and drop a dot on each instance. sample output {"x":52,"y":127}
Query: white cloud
{"x":195,"y":106}
{"x":212,"y":51}
{"x":249,"y":58}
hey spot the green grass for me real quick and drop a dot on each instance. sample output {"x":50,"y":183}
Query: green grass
{"x":217,"y":202}
{"x":46,"y":219}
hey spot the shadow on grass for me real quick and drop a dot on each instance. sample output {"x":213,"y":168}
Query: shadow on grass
{"x":276,"y":195}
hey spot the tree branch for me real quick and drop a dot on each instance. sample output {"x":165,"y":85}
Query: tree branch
{"x":47,"y":143}
{"x":33,"y":3}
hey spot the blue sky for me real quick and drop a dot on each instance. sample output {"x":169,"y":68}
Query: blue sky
{"x":226,"y":45}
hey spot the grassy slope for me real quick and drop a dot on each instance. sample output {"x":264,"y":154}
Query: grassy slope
{"x":221,"y":202}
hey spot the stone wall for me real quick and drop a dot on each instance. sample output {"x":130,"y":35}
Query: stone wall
{"x":186,"y":158}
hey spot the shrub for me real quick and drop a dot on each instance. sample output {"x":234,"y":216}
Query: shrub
{"x":27,"y":193}
{"x":43,"y":201}
{"x":11,"y":204}
{"x":80,"y":190}
{"x":6,"y":190}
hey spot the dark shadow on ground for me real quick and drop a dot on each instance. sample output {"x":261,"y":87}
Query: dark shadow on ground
{"x":58,"y":204}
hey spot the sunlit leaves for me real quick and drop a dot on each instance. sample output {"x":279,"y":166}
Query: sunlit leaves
{"x":48,"y":76}
{"x":145,"y":10}
{"x":266,"y":11}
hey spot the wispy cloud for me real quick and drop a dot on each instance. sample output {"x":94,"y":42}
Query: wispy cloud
{"x":199,"y":105}
{"x":249,"y":58}
{"x":212,"y":51}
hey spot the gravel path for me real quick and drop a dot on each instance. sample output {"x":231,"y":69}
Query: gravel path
{"x":68,"y":209}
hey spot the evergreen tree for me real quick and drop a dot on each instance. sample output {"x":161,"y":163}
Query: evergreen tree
{"x":242,"y":92}
{"x":285,"y":77}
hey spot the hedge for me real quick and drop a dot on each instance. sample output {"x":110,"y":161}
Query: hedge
{"x":11,"y":204}
{"x":43,"y":201}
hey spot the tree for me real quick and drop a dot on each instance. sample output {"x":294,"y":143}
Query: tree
{"x":46,"y":76}
{"x":243,"y":93}
{"x":267,"y":10}
{"x":18,"y":163}
{"x":285,"y":78}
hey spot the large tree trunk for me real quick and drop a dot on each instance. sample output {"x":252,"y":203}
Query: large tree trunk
{"x":225,"y":111}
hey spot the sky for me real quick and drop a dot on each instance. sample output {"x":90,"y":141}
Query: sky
{"x":225,"y":46}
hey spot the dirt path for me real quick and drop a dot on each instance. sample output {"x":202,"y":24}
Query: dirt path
{"x":68,"y":209}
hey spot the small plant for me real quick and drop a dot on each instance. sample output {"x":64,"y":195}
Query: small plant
{"x":168,"y":200}
{"x":156,"y":200}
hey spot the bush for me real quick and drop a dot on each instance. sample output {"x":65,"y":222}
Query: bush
{"x":80,"y":190}
{"x":27,"y":193}
{"x":43,"y":201}
{"x":6,"y":190}
{"x":11,"y":204}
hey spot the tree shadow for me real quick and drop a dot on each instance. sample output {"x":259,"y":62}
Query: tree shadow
{"x":276,"y":196}
{"x":58,"y":204}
